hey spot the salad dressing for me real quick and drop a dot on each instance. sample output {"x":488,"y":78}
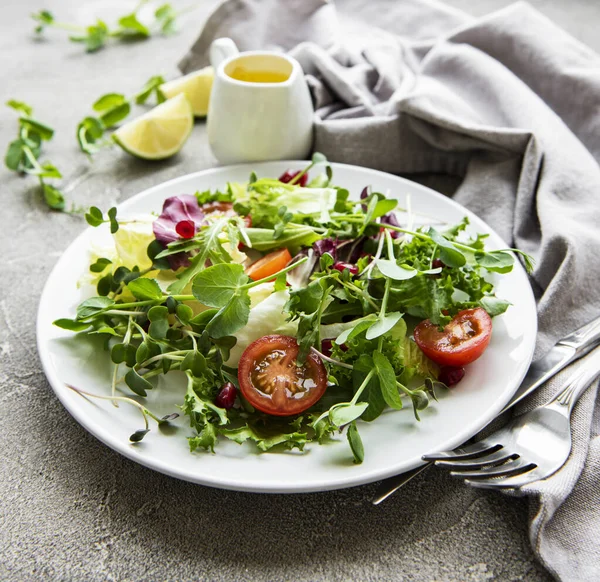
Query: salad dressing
{"x":241,"y":73}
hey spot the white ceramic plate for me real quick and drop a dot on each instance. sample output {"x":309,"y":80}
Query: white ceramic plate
{"x":393,"y":443}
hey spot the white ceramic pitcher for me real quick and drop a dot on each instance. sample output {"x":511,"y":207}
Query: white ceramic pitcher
{"x":250,"y":120}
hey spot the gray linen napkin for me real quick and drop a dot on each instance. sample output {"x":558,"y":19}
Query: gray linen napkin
{"x":510,"y":104}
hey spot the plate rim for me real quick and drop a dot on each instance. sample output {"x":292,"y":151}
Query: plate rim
{"x":60,"y":390}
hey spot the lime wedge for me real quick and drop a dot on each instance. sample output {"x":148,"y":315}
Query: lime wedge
{"x":160,"y":133}
{"x":196,"y":86}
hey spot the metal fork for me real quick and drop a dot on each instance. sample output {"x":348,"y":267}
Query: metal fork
{"x":568,"y":349}
{"x":530,"y":448}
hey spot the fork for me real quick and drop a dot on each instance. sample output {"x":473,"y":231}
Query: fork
{"x":578,"y":344}
{"x":530,"y":448}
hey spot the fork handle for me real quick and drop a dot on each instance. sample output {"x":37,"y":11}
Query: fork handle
{"x":578,"y":383}
{"x":584,"y":337}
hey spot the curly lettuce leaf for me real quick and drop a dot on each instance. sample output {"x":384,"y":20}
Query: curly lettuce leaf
{"x":263,"y":200}
{"x":265,"y":441}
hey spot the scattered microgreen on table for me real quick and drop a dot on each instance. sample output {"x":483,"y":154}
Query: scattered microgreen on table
{"x":129,"y":27}
{"x":23,"y":154}
{"x":112,"y":109}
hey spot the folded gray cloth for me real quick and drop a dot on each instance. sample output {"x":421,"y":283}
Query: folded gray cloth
{"x":509,"y":103}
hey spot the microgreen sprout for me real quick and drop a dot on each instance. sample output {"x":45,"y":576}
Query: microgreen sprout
{"x":455,"y":254}
{"x":138,"y":435}
{"x":331,"y":360}
{"x":111,"y":109}
{"x":317,"y":158}
{"x":130,"y":26}
{"x":94,"y":217}
{"x":23,"y":154}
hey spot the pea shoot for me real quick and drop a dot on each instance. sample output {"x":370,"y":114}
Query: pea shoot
{"x":139,"y":434}
{"x":111,"y":109}
{"x":129,"y":27}
{"x":23,"y":153}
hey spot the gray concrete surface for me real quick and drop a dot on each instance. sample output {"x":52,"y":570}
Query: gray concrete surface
{"x":72,"y":509}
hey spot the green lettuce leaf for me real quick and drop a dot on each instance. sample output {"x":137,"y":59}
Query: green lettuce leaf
{"x":263,"y":199}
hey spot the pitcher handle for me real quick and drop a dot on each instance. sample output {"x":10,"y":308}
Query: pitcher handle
{"x":221,"y":49}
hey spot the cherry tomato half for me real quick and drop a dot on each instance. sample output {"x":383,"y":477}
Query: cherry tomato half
{"x":225,"y":208}
{"x":461,"y":342}
{"x":271,"y":380}
{"x":269,"y":264}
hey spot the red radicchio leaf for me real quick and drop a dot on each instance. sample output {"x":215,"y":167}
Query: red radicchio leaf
{"x":177,"y":209}
{"x":178,"y":260}
{"x":391,"y":219}
{"x":325,"y":245}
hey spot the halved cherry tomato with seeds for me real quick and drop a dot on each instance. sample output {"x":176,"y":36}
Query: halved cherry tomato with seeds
{"x":269,"y":264}
{"x":461,"y":342}
{"x":272,"y":381}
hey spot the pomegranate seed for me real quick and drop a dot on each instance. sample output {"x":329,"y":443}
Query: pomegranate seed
{"x":288,"y":176}
{"x":393,"y":233}
{"x":226,"y":396}
{"x":450,"y":375}
{"x":326,"y":347}
{"x":341,"y":267}
{"x":185,"y":228}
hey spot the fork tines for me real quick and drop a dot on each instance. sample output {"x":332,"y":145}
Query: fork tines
{"x":485,"y":464}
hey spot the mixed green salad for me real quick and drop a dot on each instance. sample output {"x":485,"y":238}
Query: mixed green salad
{"x":292,"y":309}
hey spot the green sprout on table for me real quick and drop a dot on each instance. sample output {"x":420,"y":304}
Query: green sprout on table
{"x":111,"y":109}
{"x":129,"y":27}
{"x":23,"y":154}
